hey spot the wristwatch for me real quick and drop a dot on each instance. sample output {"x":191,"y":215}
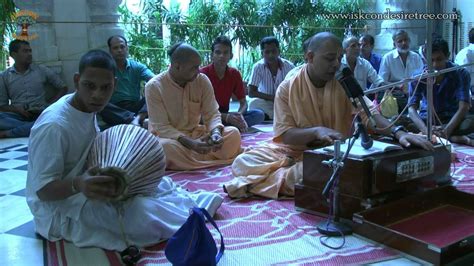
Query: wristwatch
{"x":396,"y":129}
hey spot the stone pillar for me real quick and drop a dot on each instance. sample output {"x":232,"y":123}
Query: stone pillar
{"x":44,"y":46}
{"x":71,"y":34}
{"x":415,"y":28}
{"x":67,"y":29}
{"x":103,"y":18}
{"x":466,"y":22}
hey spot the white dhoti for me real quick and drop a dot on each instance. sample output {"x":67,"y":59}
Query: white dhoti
{"x":146,"y":220}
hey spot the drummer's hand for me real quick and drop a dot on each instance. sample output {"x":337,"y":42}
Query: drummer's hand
{"x":100,"y":187}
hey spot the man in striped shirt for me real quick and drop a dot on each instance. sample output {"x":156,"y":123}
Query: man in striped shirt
{"x":267,"y":74}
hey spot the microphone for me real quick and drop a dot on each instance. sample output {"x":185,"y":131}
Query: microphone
{"x":354,"y":91}
{"x":365,"y":140}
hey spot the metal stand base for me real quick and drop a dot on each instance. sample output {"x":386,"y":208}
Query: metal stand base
{"x":332,"y":228}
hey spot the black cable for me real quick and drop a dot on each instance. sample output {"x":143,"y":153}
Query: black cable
{"x":323,"y":239}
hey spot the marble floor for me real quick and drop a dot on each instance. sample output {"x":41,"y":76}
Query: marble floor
{"x":17,"y":236}
{"x":18,"y":240}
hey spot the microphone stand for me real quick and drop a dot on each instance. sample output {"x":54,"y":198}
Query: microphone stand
{"x":332,"y":226}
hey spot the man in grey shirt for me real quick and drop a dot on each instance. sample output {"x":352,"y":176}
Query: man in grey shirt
{"x":22,"y":91}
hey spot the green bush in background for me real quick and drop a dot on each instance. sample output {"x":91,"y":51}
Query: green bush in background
{"x":7,"y":27}
{"x":246,"y":22}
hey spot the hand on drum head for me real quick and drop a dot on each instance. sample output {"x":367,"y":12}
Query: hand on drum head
{"x":100,"y":187}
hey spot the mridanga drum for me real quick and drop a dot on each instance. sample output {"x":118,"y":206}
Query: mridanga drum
{"x":132,"y":155}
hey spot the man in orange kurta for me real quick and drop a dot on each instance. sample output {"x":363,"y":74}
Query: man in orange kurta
{"x":311,"y":110}
{"x":178,"y":100}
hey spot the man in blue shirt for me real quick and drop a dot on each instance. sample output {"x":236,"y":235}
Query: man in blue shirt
{"x":367,"y":43}
{"x":127,"y":104}
{"x":451,"y":99}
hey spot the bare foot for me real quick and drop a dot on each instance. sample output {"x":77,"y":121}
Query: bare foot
{"x":465,"y":140}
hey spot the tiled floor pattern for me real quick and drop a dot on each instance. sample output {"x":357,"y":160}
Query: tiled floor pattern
{"x":18,"y":241}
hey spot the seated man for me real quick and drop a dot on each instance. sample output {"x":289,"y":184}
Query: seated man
{"x":362,"y":69}
{"x":23,"y":91}
{"x":226,"y":81}
{"x":178,"y":100}
{"x":311,"y":110}
{"x":367,"y":43}
{"x":451,"y":99}
{"x":399,"y":64}
{"x":466,"y":56}
{"x":266,"y":75}
{"x":127,"y":104}
{"x":67,"y":202}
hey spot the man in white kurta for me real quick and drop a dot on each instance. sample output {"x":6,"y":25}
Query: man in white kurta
{"x":65,"y":133}
{"x":364,"y":72}
{"x":399,"y":64}
{"x":466,"y":56}
{"x":178,"y":101}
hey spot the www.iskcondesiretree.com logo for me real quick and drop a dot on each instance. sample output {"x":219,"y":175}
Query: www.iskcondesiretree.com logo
{"x":24,"y":19}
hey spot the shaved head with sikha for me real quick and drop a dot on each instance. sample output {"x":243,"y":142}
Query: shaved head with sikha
{"x":324,"y":58}
{"x":181,"y":52}
{"x":185,"y":62}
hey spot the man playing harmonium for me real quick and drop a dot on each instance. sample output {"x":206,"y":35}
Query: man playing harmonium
{"x":81,"y":207}
{"x":311,"y":110}
{"x":178,"y":101}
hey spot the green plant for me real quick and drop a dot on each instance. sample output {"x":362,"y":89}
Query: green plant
{"x":247,"y":26}
{"x":204,"y":25}
{"x":7,"y":27}
{"x":246,"y":22}
{"x":176,"y":23}
{"x":144,"y":36}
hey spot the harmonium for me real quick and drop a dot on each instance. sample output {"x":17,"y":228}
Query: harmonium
{"x":400,"y":198}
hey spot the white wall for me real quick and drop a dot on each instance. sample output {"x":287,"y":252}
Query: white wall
{"x":69,"y":28}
